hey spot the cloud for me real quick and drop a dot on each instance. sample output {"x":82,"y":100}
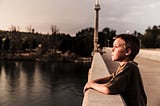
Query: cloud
{"x":130,"y":14}
{"x":155,"y":5}
{"x":73,"y":15}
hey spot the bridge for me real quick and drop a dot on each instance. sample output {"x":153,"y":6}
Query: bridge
{"x":149,"y":64}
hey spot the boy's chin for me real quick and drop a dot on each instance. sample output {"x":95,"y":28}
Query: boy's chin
{"x":113,"y":59}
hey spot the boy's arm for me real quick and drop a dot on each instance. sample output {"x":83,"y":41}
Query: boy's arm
{"x":98,"y":87}
{"x":98,"y":84}
{"x":102,"y":80}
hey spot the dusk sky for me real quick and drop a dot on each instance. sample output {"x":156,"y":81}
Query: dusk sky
{"x":71,"y":16}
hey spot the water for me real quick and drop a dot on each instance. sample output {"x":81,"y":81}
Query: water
{"x":29,"y":83}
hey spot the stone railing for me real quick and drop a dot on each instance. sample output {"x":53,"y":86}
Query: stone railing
{"x":94,"y":98}
{"x":153,"y":54}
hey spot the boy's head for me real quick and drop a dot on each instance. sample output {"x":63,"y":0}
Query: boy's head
{"x":129,"y":45}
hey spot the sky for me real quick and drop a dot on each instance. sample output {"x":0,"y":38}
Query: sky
{"x":71,"y":16}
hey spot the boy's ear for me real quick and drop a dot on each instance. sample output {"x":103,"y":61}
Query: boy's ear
{"x":128,"y":51}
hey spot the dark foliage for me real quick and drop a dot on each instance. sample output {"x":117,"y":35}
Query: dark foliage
{"x":81,"y":44}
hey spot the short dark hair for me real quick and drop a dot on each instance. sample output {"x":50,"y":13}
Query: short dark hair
{"x":132,"y":42}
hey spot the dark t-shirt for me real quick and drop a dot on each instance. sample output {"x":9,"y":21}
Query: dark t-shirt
{"x":127,"y":82}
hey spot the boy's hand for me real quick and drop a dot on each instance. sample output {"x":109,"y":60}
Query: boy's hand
{"x":86,"y":87}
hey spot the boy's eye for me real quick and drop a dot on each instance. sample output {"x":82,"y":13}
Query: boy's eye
{"x":115,"y":46}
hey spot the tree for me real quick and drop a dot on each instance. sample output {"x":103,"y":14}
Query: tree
{"x":151,"y":37}
{"x":30,"y":29}
{"x":6,"y":44}
{"x":84,"y":42}
{"x":106,"y":37}
{"x":67,"y":43}
{"x":13,"y":28}
{"x":54,"y":29}
{"x":0,"y":43}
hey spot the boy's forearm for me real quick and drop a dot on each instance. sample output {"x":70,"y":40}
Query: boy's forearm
{"x":102,"y":80}
{"x":99,"y":87}
{"x":98,"y":84}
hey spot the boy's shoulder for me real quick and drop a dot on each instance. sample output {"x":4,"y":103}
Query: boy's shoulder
{"x":131,"y":65}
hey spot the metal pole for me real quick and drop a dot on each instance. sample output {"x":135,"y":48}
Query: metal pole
{"x":96,"y":23}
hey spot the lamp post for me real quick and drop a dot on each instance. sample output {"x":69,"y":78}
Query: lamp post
{"x":96,"y":22}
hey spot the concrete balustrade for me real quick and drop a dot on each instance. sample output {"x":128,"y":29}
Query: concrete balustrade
{"x":153,"y":54}
{"x":93,"y":98}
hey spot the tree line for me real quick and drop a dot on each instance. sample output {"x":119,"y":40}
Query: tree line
{"x":81,"y":44}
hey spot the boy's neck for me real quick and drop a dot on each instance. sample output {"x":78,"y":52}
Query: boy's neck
{"x":123,"y":62}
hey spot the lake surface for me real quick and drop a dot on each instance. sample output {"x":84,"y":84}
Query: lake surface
{"x":29,"y":83}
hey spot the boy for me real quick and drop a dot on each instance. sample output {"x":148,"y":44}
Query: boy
{"x":126,"y":80}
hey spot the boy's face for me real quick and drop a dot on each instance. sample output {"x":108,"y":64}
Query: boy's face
{"x":119,"y":50}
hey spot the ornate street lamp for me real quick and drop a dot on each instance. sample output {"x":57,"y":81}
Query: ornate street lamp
{"x":96,"y":23}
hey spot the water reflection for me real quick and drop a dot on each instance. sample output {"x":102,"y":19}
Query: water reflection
{"x":42,"y":83}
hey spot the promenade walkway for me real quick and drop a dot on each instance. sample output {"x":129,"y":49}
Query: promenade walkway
{"x":150,"y":71}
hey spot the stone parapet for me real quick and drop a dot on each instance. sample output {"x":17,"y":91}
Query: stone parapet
{"x":153,"y":54}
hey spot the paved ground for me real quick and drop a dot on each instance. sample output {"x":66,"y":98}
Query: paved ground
{"x":150,"y":71}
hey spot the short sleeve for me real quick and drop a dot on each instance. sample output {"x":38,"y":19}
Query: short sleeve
{"x":118,"y":84}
